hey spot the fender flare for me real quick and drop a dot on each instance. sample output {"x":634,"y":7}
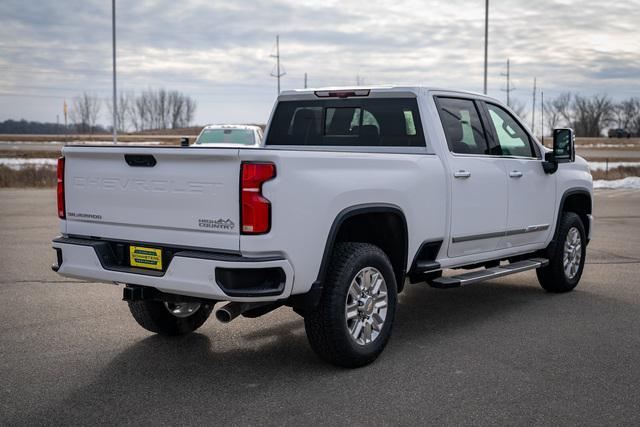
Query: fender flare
{"x":569,"y":192}
{"x":312,"y":297}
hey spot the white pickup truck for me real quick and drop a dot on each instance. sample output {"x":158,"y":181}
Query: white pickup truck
{"x":356,"y":192}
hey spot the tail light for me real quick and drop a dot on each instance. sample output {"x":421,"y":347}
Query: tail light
{"x":341,"y":93}
{"x":255,"y":210}
{"x":61,"y":209}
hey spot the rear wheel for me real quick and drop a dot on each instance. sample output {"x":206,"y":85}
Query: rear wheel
{"x":565,"y":266}
{"x":170,"y":318}
{"x":352,"y":323}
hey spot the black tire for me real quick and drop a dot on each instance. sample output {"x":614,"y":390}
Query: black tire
{"x":326,"y":326}
{"x":553,"y":278}
{"x":155,"y":317}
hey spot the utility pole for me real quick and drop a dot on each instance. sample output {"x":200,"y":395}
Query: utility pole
{"x":533,"y":107}
{"x":542,"y":116}
{"x":508,"y":89}
{"x":358,"y":79}
{"x":278,"y":74}
{"x":115,"y":103}
{"x":486,"y":42}
{"x":305,"y":80}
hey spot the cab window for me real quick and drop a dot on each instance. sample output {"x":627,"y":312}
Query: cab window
{"x":512,"y":138}
{"x":462,"y":126}
{"x":363,"y":122}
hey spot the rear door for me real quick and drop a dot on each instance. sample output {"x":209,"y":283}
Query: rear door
{"x":531,"y":192}
{"x":478,"y":182}
{"x":171,"y":196}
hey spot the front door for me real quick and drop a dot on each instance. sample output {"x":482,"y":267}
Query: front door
{"x":478,"y":181}
{"x":531,"y":192}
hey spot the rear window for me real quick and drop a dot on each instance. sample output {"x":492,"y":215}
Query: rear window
{"x":226,"y":136}
{"x":347,"y":122}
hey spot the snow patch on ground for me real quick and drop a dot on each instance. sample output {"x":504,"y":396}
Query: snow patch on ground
{"x":60,"y":143}
{"x":601,"y":145}
{"x":17,"y":164}
{"x":628,"y":182}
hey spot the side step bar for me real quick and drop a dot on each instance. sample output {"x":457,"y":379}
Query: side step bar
{"x":489,"y":273}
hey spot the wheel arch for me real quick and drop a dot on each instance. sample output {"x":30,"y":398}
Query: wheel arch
{"x":349,"y":223}
{"x":578,"y":201}
{"x":304,"y":302}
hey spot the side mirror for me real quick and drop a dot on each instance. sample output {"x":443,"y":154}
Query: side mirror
{"x":184,"y":142}
{"x":564,"y":145}
{"x":550,"y":165}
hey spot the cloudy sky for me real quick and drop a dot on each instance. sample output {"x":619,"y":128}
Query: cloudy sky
{"x":219,"y":51}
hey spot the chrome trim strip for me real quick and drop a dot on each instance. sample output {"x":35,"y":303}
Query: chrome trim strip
{"x":529,"y":229}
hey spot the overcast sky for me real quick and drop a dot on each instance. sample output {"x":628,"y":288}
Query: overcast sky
{"x":219,"y":51}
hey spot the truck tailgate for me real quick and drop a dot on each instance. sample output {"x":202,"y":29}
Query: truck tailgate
{"x":171,"y":196}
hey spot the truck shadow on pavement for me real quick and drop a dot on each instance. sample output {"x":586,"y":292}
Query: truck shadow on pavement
{"x":163,"y":379}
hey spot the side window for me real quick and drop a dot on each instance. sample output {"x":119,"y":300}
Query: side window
{"x":462,"y":126}
{"x":513,"y":139}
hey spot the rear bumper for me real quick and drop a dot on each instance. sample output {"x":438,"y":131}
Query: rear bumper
{"x":193,"y":273}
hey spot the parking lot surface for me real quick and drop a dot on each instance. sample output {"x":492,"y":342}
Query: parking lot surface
{"x":499,"y":352}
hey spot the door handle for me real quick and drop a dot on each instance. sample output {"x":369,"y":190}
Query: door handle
{"x":515,"y":174}
{"x":462,"y":174}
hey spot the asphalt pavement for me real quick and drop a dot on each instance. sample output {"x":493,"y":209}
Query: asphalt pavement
{"x":500,"y":352}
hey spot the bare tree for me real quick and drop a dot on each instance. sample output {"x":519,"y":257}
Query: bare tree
{"x":189,"y":111}
{"x":141,"y":113}
{"x":176,"y":108}
{"x":84,"y":113}
{"x":518,"y":107}
{"x":591,"y":115}
{"x":161,"y":109}
{"x":123,"y":114}
{"x":562,"y":105}
{"x":551,"y":114}
{"x":625,"y":111}
{"x":634,"y":123}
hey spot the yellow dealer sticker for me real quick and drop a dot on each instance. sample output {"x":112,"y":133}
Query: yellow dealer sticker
{"x":140,"y":256}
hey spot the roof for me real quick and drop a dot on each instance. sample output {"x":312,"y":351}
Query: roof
{"x":246,"y":127}
{"x":380,"y":90}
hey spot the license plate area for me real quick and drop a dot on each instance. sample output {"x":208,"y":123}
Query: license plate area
{"x":145,"y":257}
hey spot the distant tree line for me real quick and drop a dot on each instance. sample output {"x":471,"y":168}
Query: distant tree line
{"x":589,"y":116}
{"x":150,"y":109}
{"x":24,"y":126}
{"x":153,"y":109}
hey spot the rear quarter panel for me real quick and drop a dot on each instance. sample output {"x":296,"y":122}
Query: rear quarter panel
{"x":312,"y":187}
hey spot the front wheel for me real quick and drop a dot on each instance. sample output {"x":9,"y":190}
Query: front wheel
{"x":169,"y":318}
{"x":352,"y":323}
{"x":565,"y":266}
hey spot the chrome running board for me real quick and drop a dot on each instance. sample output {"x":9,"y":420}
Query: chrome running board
{"x":489,"y":273}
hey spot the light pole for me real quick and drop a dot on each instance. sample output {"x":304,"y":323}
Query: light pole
{"x":115,"y":101}
{"x":486,"y":41}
